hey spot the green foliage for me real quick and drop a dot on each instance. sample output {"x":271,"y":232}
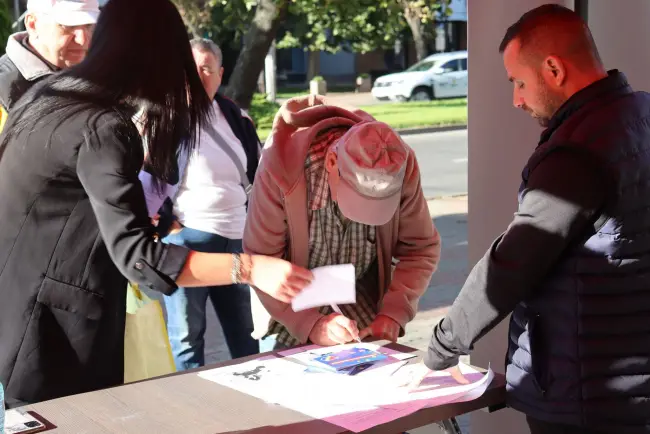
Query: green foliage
{"x":328,"y":25}
{"x":5,"y":25}
{"x":263,"y":112}
{"x":223,"y":21}
{"x":332,"y":25}
{"x":355,"y":25}
{"x":318,"y":78}
{"x":230,"y":20}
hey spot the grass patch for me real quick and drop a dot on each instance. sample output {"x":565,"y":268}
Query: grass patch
{"x":420,"y":114}
{"x":286,"y":94}
{"x":398,"y":115}
{"x":263,"y":112}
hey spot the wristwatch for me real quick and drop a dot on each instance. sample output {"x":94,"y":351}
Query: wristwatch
{"x":236,"y":272}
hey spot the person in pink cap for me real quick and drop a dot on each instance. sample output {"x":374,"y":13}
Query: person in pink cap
{"x":57,"y":37}
{"x":335,"y":186}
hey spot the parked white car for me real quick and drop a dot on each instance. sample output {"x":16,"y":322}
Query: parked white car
{"x":442,"y":75}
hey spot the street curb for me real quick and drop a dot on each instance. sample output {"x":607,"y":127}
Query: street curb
{"x":424,"y":130}
{"x":450,"y":196}
{"x":420,"y":130}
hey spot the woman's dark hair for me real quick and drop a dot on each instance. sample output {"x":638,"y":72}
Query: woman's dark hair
{"x":139,"y":55}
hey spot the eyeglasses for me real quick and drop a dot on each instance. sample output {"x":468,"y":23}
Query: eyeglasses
{"x":70,"y":30}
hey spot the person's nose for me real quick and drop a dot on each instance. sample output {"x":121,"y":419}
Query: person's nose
{"x":517,"y":100}
{"x":82,"y":36}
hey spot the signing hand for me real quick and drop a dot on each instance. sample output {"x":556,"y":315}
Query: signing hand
{"x":334,"y":329}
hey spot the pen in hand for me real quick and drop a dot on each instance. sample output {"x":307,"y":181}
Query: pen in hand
{"x":336,"y":309}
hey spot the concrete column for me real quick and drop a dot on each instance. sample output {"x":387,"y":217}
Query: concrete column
{"x":501,"y":138}
{"x":622,"y":34}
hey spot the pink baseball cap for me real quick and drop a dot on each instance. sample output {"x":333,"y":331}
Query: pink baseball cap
{"x":371,"y":159}
{"x":67,"y":12}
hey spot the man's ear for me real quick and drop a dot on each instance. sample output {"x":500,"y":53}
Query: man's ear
{"x":554,"y":70}
{"x":330,"y":162}
{"x":30,"y":23}
{"x":332,"y":167}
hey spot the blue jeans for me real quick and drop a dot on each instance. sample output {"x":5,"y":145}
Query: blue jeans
{"x":186,"y":307}
{"x":270,"y":343}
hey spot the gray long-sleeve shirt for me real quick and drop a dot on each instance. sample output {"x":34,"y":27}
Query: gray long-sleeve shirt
{"x":562,"y":198}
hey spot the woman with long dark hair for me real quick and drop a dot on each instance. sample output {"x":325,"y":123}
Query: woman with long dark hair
{"x":75,"y":225}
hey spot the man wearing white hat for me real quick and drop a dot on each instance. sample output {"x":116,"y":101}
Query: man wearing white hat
{"x":58,"y":34}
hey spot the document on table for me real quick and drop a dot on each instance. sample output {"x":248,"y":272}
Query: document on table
{"x":356,"y":403}
{"x":282,"y":382}
{"x":333,"y":284}
{"x":18,"y":422}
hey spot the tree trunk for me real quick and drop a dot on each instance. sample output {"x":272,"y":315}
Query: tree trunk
{"x":268,"y":17}
{"x":413,"y":18}
{"x":191,"y":12}
{"x":193,"y":29}
{"x":418,"y":36}
{"x":313,"y":65}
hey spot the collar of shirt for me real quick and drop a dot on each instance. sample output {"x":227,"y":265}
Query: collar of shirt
{"x":27,"y":45}
{"x":615,"y":80}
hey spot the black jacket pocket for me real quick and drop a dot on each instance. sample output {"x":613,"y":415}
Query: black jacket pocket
{"x":70,"y":298}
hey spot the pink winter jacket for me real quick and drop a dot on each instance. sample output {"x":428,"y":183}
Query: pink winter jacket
{"x":277,"y":223}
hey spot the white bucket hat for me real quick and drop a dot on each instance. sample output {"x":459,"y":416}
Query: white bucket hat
{"x":67,"y":12}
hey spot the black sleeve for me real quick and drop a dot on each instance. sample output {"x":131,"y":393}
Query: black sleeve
{"x":108,"y":164}
{"x":253,"y":148}
{"x":563,"y":195}
{"x":244,"y":128}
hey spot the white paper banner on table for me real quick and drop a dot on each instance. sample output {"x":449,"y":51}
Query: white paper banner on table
{"x":334,"y":284}
{"x":355,"y":402}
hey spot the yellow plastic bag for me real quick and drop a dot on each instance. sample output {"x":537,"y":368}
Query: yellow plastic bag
{"x":147,"y":352}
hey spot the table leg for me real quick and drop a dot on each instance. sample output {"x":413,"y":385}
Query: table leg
{"x":450,"y":426}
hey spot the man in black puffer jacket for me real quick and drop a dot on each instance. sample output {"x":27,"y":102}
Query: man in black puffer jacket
{"x":573,"y":267}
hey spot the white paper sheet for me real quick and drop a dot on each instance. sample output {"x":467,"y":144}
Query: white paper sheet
{"x":279,"y":381}
{"x":404,"y":356}
{"x":334,"y":284}
{"x":356,"y":403}
{"x":258,"y":378}
{"x":435,"y":386}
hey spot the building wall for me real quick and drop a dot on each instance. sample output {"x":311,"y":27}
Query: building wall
{"x":501,"y":138}
{"x":338,"y":67}
{"x":371,"y":61}
{"x":622,"y":34}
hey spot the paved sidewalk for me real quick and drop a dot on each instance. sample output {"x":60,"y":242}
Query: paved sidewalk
{"x":450,"y":217}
